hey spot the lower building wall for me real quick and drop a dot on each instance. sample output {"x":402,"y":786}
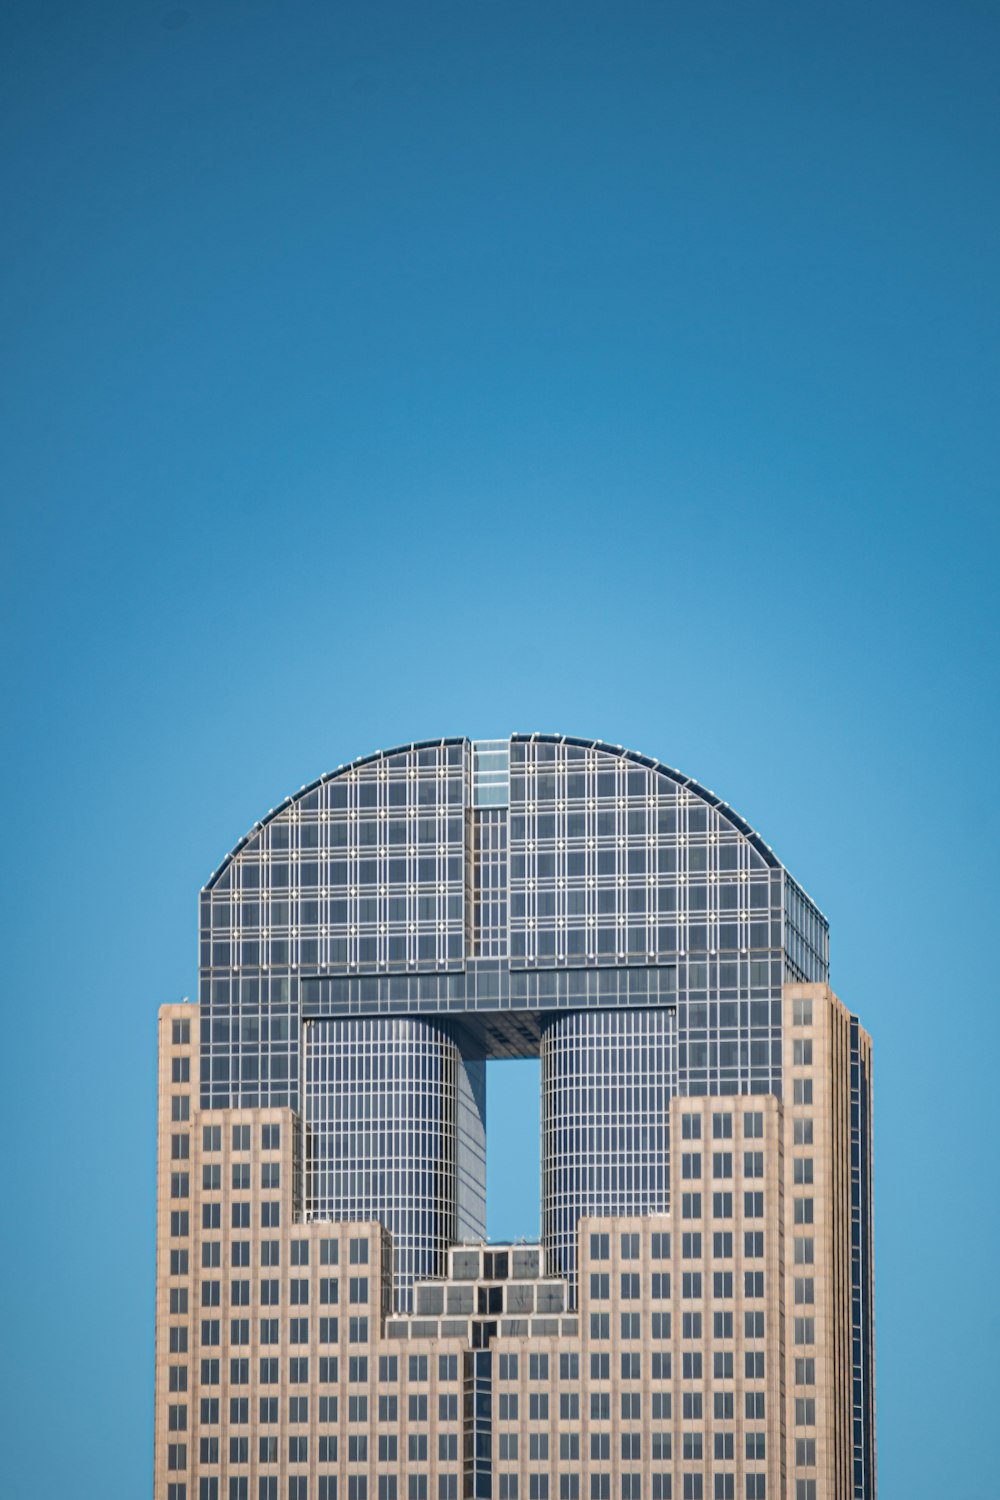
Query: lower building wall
{"x":709,"y":1356}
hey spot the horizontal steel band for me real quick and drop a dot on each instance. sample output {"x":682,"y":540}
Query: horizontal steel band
{"x":490,"y":987}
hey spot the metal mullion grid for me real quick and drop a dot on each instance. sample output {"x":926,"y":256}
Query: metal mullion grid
{"x":441,"y":848}
{"x":412,"y":858}
{"x":380,"y":854}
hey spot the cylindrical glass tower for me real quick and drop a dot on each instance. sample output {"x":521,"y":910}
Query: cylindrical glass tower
{"x":607,"y":1078}
{"x":386,"y":1107}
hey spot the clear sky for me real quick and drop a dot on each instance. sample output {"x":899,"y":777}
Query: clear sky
{"x":380,"y":371}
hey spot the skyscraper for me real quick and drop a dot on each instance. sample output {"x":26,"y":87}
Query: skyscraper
{"x":696,"y":1320}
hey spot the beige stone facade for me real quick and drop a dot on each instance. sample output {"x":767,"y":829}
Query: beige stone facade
{"x":709,"y":1356}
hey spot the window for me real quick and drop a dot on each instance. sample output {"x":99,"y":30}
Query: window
{"x":753,"y":1125}
{"x":802,"y":1091}
{"x":690,"y":1165}
{"x":691,"y":1127}
{"x":359,"y":1252}
{"x":270,"y":1177}
{"x":270,"y":1137}
{"x":802,"y":1132}
{"x":241,"y":1137}
{"x":630,"y":1247}
{"x":180,"y":1070}
{"x":753,"y":1163}
{"x":802,"y":1053}
{"x":690,"y":1205}
{"x":600,"y":1247}
{"x":722,"y":1205}
{"x":180,"y":1107}
{"x":802,"y":1012}
{"x":722,"y":1127}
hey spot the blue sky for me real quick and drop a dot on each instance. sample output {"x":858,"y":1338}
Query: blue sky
{"x":373,"y":372}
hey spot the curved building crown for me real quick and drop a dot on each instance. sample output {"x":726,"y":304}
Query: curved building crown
{"x":463,"y":898}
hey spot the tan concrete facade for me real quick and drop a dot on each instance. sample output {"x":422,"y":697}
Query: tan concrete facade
{"x":710,"y":1355}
